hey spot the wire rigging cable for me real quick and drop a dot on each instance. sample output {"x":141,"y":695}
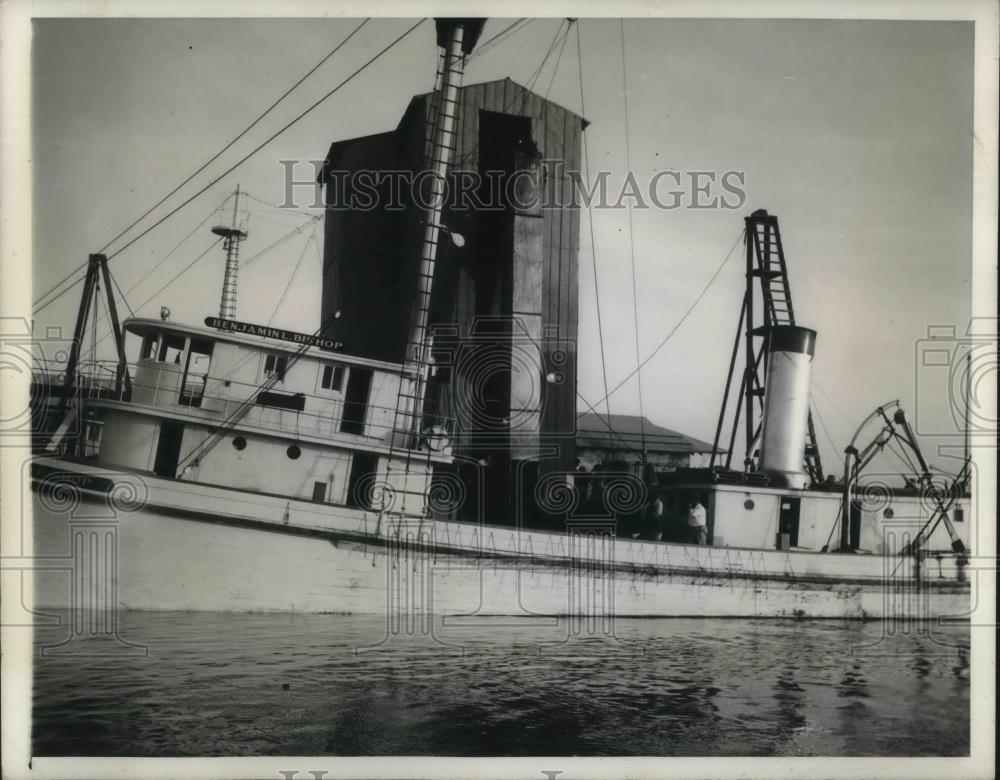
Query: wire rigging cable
{"x":243,"y":132}
{"x":684,"y":316}
{"x":313,"y":219}
{"x":206,"y":445}
{"x":204,"y":165}
{"x":37,"y":306}
{"x":173,"y":279}
{"x":291,"y":277}
{"x":250,"y":154}
{"x":593,"y":245}
{"x":500,"y":37}
{"x":562,"y":48}
{"x":278,"y":242}
{"x":264,"y":143}
{"x":509,"y":104}
{"x":533,"y":79}
{"x":631,"y":246}
{"x":180,"y":273}
{"x":836,"y":450}
{"x":177,"y":246}
{"x":279,"y":209}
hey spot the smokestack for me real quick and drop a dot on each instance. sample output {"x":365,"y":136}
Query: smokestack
{"x":786,"y":404}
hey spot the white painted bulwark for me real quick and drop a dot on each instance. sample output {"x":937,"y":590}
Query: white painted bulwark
{"x":247,"y":476}
{"x":741,"y":516}
{"x":190,"y":546}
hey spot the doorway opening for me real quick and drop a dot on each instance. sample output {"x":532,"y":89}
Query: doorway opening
{"x":168,"y":448}
{"x":359,"y":382}
{"x":788,"y":523}
{"x":359,"y":486}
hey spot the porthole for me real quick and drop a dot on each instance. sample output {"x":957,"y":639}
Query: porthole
{"x":294,"y":452}
{"x":748,"y":504}
{"x":887,"y":513}
{"x":239,"y":443}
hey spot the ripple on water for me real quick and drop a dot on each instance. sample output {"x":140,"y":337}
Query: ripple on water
{"x":217,"y":684}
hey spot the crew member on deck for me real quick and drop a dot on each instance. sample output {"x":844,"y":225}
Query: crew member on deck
{"x":697,"y":521}
{"x":655,"y":513}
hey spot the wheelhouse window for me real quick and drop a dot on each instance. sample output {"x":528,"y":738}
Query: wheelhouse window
{"x":171,"y":349}
{"x":275,"y":366}
{"x":196,"y":372}
{"x":150,"y":346}
{"x":332,"y":377}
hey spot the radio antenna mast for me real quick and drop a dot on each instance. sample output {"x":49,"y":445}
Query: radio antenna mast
{"x":233,"y":235}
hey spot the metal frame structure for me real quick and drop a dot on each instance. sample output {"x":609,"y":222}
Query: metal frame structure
{"x":855,"y":460}
{"x":97,"y":269}
{"x":765,"y":266}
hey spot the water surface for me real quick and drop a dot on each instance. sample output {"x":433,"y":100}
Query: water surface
{"x":210,"y":684}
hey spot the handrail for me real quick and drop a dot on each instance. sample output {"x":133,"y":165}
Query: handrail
{"x":323,"y":419}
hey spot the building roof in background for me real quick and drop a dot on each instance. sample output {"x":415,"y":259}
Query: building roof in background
{"x":592,"y":433}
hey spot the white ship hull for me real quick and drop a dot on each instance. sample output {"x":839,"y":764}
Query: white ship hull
{"x":155,"y":544}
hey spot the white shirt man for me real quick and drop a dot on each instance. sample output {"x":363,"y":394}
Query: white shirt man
{"x":698,"y":522}
{"x":656,"y":518}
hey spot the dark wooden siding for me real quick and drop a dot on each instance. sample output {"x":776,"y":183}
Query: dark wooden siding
{"x":375,"y":302}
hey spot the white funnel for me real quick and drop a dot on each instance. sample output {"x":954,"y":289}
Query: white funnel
{"x":786,"y":404}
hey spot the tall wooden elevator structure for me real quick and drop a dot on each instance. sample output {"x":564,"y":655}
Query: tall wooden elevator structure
{"x":504,"y":308}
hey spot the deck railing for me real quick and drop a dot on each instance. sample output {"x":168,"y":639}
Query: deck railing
{"x":216,"y":399}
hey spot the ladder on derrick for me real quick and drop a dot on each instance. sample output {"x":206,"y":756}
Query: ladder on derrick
{"x":407,"y":422}
{"x":776,"y":294}
{"x":406,"y":439}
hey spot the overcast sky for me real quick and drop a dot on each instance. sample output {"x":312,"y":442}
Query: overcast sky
{"x":857,"y":134}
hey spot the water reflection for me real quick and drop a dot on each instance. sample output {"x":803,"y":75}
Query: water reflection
{"x":281,"y":685}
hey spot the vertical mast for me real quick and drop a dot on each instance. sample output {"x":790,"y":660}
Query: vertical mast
{"x":232,"y":234}
{"x":750,"y":368}
{"x":456,"y":38}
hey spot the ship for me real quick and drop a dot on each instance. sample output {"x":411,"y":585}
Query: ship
{"x":237,"y":466}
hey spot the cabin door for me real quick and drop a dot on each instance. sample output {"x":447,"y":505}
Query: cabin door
{"x":359,"y":483}
{"x":854,"y":536}
{"x":788,"y":523}
{"x":359,"y":383}
{"x":168,"y":448}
